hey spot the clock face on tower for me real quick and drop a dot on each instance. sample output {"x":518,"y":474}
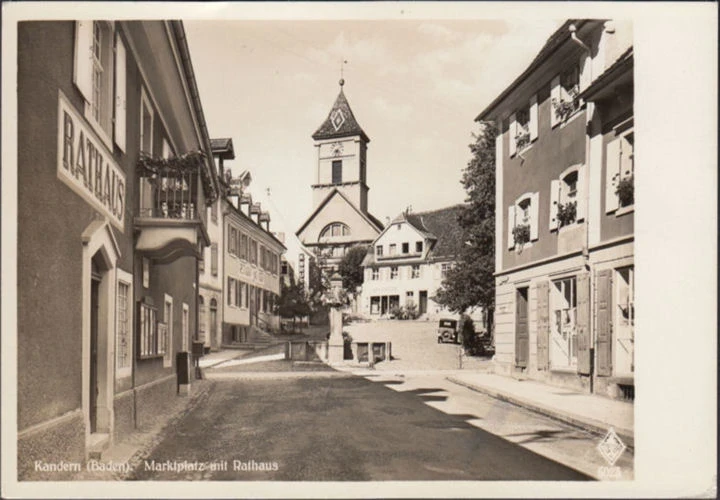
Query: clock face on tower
{"x":336,"y":148}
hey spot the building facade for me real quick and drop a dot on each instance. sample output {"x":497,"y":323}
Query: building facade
{"x":564,"y":225}
{"x":114,"y":170}
{"x":251,"y":269}
{"x":407,"y":263}
{"x":340,"y":217}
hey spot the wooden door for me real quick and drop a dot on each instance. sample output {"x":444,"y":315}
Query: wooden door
{"x":94,"y":306}
{"x":422,"y":307}
{"x":522,"y":336}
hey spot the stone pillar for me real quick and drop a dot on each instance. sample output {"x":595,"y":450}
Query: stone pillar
{"x":335,"y":342}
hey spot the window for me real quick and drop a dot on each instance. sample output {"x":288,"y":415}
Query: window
{"x":254,"y":252}
{"x":409,"y":296}
{"x":563,"y":95}
{"x":523,"y":221}
{"x":566,"y":205}
{"x":335,"y":229}
{"x":418,"y":246}
{"x":620,"y":173}
{"x":146,"y":272}
{"x":185,"y":327}
{"x":406,"y":248}
{"x":563,"y":334}
{"x":337,"y":171}
{"x":149,"y":345}
{"x":244,"y":289}
{"x":146,"y":124}
{"x":166,"y":336}
{"x":284,"y":268}
{"x":393,"y":272}
{"x":230,"y":291}
{"x":444,"y":268}
{"x":624,"y":350}
{"x":214,"y":212}
{"x":231,"y":240}
{"x":244,"y":246}
{"x":214,"y":259}
{"x":415,"y":271}
{"x":392,"y":250}
{"x":123,"y":340}
{"x":202,"y":315}
{"x":523,"y":127}
{"x":375,"y":274}
{"x":374,"y":305}
{"x":238,"y":293}
{"x":201,"y":261}
{"x":379,"y":250}
{"x":93,"y":76}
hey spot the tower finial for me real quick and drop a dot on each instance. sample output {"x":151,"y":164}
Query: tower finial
{"x":342,"y":65}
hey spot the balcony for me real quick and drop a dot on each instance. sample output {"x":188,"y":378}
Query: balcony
{"x":171,"y":218}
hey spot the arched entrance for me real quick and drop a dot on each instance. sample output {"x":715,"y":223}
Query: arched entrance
{"x":100,"y":254}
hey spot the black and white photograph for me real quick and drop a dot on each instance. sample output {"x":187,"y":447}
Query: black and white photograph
{"x":359,"y":249}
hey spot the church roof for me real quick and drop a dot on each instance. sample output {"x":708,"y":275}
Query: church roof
{"x":340,"y":122}
{"x":373,"y":221}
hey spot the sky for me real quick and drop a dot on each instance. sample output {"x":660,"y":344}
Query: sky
{"x":415,"y":87}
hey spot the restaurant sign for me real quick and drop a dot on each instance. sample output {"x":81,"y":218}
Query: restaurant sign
{"x":86,"y":165}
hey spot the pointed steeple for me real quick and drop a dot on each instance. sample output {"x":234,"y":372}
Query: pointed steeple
{"x":340,"y":122}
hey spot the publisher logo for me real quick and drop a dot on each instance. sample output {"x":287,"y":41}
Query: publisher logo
{"x":611,"y":447}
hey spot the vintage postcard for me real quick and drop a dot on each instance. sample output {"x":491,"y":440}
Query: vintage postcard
{"x":359,"y":249}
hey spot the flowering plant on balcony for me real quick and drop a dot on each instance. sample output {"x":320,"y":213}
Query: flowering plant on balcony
{"x":521,"y":233}
{"x":185,"y":163}
{"x":567,"y":213}
{"x":626,"y":191}
{"x":522,"y":139}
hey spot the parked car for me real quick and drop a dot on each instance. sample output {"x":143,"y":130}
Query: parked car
{"x":447,"y":331}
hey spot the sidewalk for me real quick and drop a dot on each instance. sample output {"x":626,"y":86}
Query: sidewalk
{"x":590,"y":412}
{"x":217,"y":357}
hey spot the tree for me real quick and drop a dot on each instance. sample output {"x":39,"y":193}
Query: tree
{"x":293,"y":301}
{"x":470,"y":283}
{"x":350,"y":268}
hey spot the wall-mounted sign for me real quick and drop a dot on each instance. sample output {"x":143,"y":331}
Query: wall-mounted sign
{"x":86,"y":165}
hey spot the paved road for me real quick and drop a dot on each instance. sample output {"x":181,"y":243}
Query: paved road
{"x":414,"y":346}
{"x":343,"y":427}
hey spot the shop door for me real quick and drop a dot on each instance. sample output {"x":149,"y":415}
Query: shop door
{"x":422,"y":306}
{"x":383,"y":305}
{"x":522,"y":337}
{"x":94,"y":313}
{"x":624,"y":348}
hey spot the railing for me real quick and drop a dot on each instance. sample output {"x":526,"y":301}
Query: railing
{"x":170,"y":197}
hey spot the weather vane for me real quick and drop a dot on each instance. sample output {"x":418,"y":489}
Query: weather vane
{"x":342,"y":66}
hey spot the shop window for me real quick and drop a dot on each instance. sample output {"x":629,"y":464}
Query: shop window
{"x":523,"y":221}
{"x":620,"y":173}
{"x":563,"y":331}
{"x":567,"y":202}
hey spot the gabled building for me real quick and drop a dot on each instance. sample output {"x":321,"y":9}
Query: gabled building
{"x":407,"y":263}
{"x":564,"y":212}
{"x":340,"y":217}
{"x":115,"y":170}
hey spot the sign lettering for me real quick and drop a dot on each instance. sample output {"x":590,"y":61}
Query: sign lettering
{"x":87,"y":167}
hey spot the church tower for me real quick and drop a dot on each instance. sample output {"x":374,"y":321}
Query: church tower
{"x":342,"y":155}
{"x":340,"y":217}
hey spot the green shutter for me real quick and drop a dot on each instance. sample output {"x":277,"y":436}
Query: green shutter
{"x":543,"y":325}
{"x":582,"y":323}
{"x":603,"y":322}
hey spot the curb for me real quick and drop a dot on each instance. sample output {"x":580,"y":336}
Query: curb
{"x":587,"y":424}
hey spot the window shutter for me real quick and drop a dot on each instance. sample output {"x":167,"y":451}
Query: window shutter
{"x":554,"y":98}
{"x":554,"y":200}
{"x":543,"y":325}
{"x":83,"y":74}
{"x":534,"y":215}
{"x":214,"y":259}
{"x":533,"y":118}
{"x":511,"y":225}
{"x":603,"y":322}
{"x":120,"y":93}
{"x":626,"y":158}
{"x":582,"y":323}
{"x":612,"y":175}
{"x":512,"y":132}
{"x":581,"y":196}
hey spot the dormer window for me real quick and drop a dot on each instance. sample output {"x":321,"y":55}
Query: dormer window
{"x":567,"y":205}
{"x":523,"y":221}
{"x":564,"y":91}
{"x":523,"y":128}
